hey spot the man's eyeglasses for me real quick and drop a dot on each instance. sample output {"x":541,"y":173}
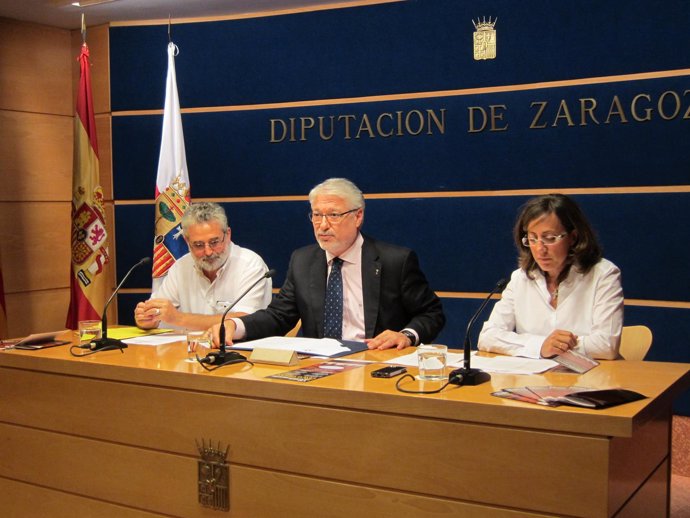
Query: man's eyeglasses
{"x":333,"y":218}
{"x":213,"y":244}
{"x":546,"y":240}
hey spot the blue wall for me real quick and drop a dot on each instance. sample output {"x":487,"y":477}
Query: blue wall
{"x":589,"y":135}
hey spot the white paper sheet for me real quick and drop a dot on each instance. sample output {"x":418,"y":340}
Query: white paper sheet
{"x":155,"y":339}
{"x":511,"y":364}
{"x":502,"y":364}
{"x":315,"y":346}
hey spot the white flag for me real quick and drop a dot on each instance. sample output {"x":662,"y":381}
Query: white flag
{"x":172,"y":181}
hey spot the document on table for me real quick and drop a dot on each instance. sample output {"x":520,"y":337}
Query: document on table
{"x":328,"y":347}
{"x":159,"y":339}
{"x":502,"y":364}
{"x":122,"y":333}
{"x":511,"y":364}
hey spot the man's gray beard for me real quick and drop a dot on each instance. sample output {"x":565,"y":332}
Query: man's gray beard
{"x":218,"y":261}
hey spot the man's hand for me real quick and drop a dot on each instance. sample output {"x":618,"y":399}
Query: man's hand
{"x":229,"y":333}
{"x":148,"y":314}
{"x":146,"y":318}
{"x":558,"y":342}
{"x":388,"y":339}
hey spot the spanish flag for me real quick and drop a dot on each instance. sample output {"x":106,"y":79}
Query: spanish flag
{"x":89,"y":237}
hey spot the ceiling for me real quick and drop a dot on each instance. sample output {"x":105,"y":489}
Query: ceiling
{"x":60,"y":13}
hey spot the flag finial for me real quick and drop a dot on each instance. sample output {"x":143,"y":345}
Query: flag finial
{"x":83,"y":29}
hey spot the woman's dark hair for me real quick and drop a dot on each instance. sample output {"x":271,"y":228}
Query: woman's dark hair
{"x":585,"y":251}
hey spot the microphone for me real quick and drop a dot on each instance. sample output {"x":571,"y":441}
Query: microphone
{"x":210,"y":358}
{"x":220,"y":357}
{"x":467,"y":375}
{"x":105,"y":342}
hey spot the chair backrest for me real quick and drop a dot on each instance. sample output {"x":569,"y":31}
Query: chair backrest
{"x":635,"y":342}
{"x":295,"y":330}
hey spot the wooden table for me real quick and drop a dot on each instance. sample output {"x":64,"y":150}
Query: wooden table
{"x":113,"y":435}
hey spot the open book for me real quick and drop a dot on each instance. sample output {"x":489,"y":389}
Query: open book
{"x":551,"y":395}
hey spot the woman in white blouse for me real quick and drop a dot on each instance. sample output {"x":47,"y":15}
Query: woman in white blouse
{"x":564,"y":295}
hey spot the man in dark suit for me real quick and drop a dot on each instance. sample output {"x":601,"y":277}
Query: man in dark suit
{"x":348,"y":285}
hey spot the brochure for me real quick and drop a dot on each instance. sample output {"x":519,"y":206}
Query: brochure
{"x":316,"y":371}
{"x":551,"y":395}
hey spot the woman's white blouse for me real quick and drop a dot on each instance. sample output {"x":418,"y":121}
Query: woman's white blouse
{"x":590,"y":306}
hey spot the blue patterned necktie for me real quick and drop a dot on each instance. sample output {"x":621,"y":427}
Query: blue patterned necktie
{"x":333,"y":303}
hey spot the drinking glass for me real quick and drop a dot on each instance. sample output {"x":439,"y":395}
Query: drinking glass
{"x":198,"y":343}
{"x":89,"y":330}
{"x":432,"y":362}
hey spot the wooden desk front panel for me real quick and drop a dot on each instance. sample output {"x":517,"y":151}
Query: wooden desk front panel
{"x":134,"y":444}
{"x":113,"y":481}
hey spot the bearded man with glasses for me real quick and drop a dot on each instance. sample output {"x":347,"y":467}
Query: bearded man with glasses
{"x":216,"y":271}
{"x":347,"y":286}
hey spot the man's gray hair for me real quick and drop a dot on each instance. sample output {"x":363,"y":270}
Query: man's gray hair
{"x":341,"y":187}
{"x":203,"y":212}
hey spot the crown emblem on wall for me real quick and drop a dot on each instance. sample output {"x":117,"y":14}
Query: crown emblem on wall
{"x":484,"y":25}
{"x":484,"y":40}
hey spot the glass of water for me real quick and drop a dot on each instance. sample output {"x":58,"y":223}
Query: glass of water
{"x":432,"y":360}
{"x":198,"y":343}
{"x":89,"y":330}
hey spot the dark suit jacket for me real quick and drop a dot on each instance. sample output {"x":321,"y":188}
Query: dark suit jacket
{"x":396,"y":295}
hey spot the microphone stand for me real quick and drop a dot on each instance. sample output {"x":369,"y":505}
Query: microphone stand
{"x":111,"y":343}
{"x":222,"y":357}
{"x":466,"y":375}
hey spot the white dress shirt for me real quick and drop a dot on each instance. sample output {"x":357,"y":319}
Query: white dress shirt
{"x":190,"y":291}
{"x":589,"y":306}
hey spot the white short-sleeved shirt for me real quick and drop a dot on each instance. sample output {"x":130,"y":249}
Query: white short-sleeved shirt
{"x":589,"y":305}
{"x":190,"y":291}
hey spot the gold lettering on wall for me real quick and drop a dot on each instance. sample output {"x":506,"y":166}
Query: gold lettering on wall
{"x":356,"y":127}
{"x":587,"y":107}
{"x":494,"y":114}
{"x":543,"y":115}
{"x":643,"y":107}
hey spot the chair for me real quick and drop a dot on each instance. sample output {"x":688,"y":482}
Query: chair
{"x":295,"y":330}
{"x":635,"y":342}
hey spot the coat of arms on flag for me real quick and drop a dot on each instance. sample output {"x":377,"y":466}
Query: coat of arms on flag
{"x":171,"y":205}
{"x":89,"y":243}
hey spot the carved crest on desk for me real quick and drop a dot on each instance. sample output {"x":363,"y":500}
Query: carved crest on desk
{"x":213,"y":476}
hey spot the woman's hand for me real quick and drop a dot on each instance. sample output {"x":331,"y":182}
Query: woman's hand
{"x":558,"y":342}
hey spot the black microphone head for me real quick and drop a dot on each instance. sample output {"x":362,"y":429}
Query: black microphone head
{"x":270,"y":273}
{"x":501,"y":285}
{"x":144,"y":260}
